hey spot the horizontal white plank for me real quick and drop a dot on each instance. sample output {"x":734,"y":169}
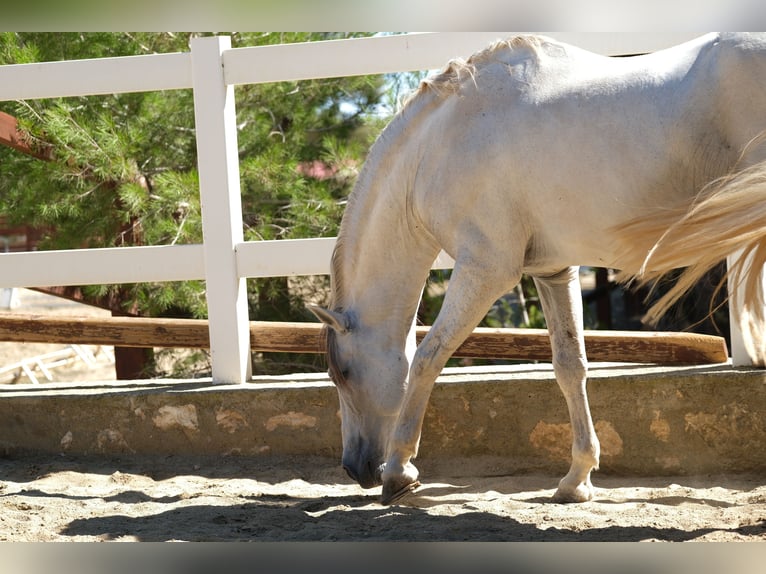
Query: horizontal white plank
{"x":351,"y":57}
{"x":406,"y":52}
{"x":286,"y":257}
{"x":146,"y":73}
{"x":290,"y":257}
{"x":167,"y":263}
{"x":102,"y":266}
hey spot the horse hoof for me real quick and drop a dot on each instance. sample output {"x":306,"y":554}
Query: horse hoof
{"x":394,"y":492}
{"x":582,"y":493}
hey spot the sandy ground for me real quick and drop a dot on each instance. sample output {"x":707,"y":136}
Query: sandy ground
{"x":150,"y":498}
{"x":304,"y":499}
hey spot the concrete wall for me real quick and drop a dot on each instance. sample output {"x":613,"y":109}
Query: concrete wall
{"x":650,"y":420}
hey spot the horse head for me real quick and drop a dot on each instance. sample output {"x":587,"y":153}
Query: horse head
{"x":370,"y":374}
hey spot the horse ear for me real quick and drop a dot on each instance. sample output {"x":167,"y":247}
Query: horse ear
{"x":338,"y":321}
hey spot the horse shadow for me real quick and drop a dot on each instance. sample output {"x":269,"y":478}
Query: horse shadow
{"x":281,"y":518}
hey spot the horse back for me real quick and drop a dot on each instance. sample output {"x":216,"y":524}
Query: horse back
{"x":547,"y":143}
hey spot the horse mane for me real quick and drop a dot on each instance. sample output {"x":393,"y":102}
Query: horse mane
{"x":328,"y":340}
{"x":451,"y":77}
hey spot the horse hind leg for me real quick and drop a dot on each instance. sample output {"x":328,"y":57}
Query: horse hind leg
{"x":562,"y":306}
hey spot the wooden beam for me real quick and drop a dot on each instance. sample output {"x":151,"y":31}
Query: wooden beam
{"x":668,"y":348}
{"x":512,"y":344}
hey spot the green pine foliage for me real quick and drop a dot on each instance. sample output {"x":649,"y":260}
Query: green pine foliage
{"x":122,"y":169}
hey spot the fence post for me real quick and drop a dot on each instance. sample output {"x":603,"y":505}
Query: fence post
{"x":218,"y":163}
{"x":738,"y":351}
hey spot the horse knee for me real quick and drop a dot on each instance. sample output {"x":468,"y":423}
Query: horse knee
{"x":426,"y":363}
{"x":569,"y":367}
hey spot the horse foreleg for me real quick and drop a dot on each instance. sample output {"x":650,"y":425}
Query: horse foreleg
{"x":562,"y":306}
{"x":471,"y":292}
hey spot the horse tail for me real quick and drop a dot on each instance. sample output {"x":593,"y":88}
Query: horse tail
{"x":728,"y":216}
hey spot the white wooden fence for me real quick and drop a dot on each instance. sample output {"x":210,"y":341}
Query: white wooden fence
{"x":212,"y":69}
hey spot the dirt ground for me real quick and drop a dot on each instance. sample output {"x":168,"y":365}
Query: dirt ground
{"x":303,"y":499}
{"x":171,"y":498}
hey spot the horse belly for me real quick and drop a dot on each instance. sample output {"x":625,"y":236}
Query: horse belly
{"x":549,"y":210}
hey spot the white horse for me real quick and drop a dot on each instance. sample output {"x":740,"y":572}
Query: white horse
{"x":533,"y":157}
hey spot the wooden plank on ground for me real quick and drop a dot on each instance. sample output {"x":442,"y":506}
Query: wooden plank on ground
{"x":668,"y":348}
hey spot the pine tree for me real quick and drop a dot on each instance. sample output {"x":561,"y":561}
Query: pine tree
{"x":121,"y":169}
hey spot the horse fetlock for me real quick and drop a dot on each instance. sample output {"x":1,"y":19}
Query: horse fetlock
{"x":398,"y":471}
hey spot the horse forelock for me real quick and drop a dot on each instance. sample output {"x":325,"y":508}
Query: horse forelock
{"x":329,"y":340}
{"x":328,"y":336}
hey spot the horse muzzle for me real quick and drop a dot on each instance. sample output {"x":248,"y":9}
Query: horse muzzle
{"x":366,"y":472}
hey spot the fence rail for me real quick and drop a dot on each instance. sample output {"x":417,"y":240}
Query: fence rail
{"x":483,"y":343}
{"x":93,"y":77}
{"x":211,"y":69}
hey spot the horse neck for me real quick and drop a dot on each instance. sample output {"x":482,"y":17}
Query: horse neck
{"x":383,"y":255}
